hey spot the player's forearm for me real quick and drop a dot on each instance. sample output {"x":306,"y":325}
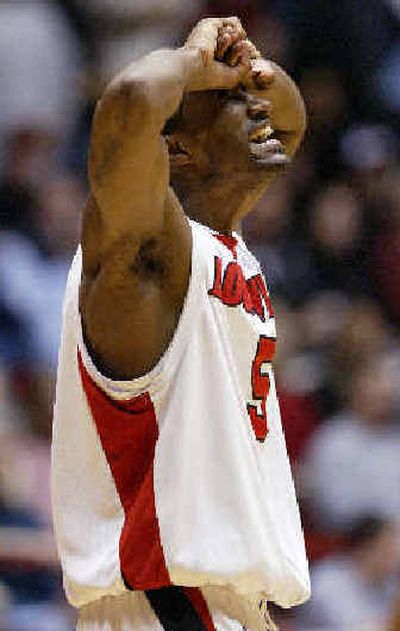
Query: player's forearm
{"x":288,"y":115}
{"x":154,"y":85}
{"x":291,"y":114}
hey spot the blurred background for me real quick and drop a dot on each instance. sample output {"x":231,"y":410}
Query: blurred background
{"x":327,"y":235}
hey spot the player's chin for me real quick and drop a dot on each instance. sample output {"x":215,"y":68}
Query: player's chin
{"x":269,"y":155}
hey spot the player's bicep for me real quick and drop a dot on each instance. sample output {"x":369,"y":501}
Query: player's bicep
{"x":128,"y":165}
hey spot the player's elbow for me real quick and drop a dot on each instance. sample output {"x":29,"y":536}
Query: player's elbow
{"x":302,"y":118}
{"x":294,"y":137}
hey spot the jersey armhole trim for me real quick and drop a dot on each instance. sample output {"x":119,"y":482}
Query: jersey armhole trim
{"x":125,"y":389}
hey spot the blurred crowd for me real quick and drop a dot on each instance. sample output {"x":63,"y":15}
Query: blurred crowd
{"x":327,"y":235}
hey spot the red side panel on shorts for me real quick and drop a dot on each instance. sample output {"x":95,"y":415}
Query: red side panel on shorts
{"x":128,"y":432}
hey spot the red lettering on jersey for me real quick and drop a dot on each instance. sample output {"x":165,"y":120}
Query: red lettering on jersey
{"x":216,"y":289}
{"x":260,"y":384}
{"x":233,"y":289}
{"x":233,"y":285}
{"x":255,"y":304}
{"x":264,"y":293}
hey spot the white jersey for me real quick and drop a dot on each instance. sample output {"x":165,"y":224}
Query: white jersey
{"x":180,"y":477}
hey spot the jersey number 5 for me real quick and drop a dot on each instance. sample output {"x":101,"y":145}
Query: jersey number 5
{"x":260,"y":384}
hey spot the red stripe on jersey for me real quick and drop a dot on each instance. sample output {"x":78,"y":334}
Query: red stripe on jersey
{"x":199,"y":603}
{"x":128,"y":433}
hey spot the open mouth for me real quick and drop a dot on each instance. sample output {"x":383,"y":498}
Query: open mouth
{"x":266,"y":150}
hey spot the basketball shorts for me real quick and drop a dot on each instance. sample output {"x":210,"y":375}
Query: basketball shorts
{"x":176,"y":609}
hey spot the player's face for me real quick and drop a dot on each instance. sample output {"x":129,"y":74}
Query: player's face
{"x":216,"y":134}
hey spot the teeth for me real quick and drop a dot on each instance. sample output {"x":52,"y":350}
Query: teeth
{"x":260,"y":134}
{"x":264,"y":149}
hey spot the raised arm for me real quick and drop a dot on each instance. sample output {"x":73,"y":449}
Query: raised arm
{"x":136,"y":240}
{"x":128,"y":159}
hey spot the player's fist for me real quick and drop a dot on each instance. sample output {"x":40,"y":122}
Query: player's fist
{"x":224,"y":58}
{"x":211,"y":34}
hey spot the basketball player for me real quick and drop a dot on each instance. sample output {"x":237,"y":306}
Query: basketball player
{"x":173,"y":499}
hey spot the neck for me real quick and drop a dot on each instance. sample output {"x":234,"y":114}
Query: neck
{"x":221,"y":204}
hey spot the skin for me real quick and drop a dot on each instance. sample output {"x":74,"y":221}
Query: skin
{"x":167,"y":135}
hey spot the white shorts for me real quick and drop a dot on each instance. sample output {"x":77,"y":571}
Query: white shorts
{"x":209,"y":609}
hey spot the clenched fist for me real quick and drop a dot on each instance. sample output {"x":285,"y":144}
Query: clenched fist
{"x":227,"y":58}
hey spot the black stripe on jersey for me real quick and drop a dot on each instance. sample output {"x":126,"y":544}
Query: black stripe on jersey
{"x":174,"y":609}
